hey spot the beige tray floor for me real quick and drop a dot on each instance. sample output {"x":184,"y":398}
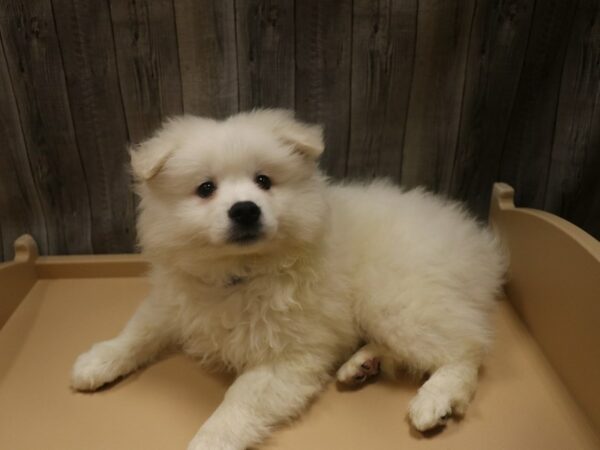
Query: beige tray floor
{"x":520,"y":403}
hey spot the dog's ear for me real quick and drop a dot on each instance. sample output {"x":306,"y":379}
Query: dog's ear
{"x":149,"y":156}
{"x":306,"y":138}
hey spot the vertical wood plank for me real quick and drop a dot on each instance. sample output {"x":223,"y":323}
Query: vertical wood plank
{"x":496,"y":54}
{"x":265,"y":53}
{"x":20,"y":209}
{"x":34,"y":61}
{"x":526,"y":155}
{"x":145,"y":35}
{"x":383,"y":45}
{"x":148,"y":63}
{"x":323,"y":69}
{"x":207,"y":52}
{"x":573,"y":187}
{"x":86,"y":42}
{"x":444,"y":28}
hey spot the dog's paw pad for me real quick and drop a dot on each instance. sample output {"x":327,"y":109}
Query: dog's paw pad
{"x":357,"y":370}
{"x":370,"y":366}
{"x":428,"y":411}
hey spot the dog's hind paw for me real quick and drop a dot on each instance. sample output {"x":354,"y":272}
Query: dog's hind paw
{"x":360,"y":367}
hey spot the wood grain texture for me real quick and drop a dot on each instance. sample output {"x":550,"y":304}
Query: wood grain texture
{"x":383,"y":45}
{"x":265,"y":53}
{"x":450,"y":94}
{"x":526,"y":155}
{"x":20,"y":209}
{"x":87,"y":47}
{"x":38,"y":80}
{"x":496,"y":54}
{"x":323,"y":74}
{"x":437,"y":92}
{"x":573,"y":184}
{"x":207,"y":52}
{"x":148,"y":63}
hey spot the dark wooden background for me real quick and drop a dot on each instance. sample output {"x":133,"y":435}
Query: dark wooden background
{"x":452,"y":94}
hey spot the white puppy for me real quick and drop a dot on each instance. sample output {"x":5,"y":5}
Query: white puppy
{"x":261,"y":266}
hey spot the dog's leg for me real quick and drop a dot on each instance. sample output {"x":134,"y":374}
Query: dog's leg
{"x":259,"y":399}
{"x":364,"y":364}
{"x":146,"y":334}
{"x":448,"y":390}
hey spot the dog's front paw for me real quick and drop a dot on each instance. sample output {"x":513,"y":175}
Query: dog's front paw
{"x":428,"y":410}
{"x":100,"y":365}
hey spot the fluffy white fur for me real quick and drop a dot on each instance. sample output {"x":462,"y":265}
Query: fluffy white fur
{"x":408,"y":273}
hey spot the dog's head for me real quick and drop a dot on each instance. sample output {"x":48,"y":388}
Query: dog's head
{"x":247,"y":184}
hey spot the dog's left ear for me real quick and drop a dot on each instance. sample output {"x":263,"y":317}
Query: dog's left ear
{"x":307,"y":139}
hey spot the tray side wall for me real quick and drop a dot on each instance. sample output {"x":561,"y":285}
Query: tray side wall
{"x":17,"y":277}
{"x":554,"y":285}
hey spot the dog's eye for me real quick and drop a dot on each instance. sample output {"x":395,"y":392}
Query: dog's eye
{"x":263,"y":181}
{"x":206,"y":189}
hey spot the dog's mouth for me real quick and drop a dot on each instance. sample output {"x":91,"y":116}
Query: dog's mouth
{"x":245,"y":237}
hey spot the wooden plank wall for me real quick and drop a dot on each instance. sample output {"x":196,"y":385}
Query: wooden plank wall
{"x":450,"y":94}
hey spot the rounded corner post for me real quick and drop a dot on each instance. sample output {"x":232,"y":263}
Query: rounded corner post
{"x":503,"y":198}
{"x":26,"y":249}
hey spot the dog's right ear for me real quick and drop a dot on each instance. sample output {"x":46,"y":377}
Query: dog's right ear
{"x":148,"y":157}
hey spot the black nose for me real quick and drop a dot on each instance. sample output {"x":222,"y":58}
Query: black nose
{"x":244,"y":213}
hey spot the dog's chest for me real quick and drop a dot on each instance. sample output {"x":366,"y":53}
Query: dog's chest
{"x":242,"y":324}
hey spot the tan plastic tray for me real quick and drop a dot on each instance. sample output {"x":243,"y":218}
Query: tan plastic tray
{"x":539,"y":387}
